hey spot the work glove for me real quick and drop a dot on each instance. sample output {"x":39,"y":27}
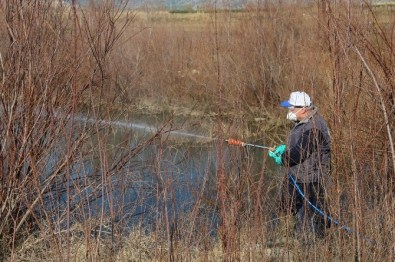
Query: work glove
{"x":278,"y":153}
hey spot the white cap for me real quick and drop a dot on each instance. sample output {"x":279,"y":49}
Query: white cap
{"x":297,"y":99}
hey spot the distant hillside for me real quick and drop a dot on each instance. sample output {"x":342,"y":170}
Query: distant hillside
{"x":196,"y":4}
{"x":175,"y":4}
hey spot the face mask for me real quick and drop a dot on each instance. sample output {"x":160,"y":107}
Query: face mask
{"x":292,"y":116}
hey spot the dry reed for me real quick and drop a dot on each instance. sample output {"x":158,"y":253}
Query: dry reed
{"x":61,"y":196}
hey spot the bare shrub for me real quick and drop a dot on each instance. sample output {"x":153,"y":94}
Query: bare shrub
{"x":72,"y":185}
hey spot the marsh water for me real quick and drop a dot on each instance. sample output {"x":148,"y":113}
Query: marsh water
{"x":171,"y":172}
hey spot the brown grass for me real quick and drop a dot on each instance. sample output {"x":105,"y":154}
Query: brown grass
{"x":224,"y":68}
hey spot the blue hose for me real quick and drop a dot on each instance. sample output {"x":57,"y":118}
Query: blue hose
{"x":322,"y":213}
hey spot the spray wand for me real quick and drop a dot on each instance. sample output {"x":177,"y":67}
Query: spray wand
{"x":235,"y":142}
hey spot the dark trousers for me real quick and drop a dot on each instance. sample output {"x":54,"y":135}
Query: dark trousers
{"x":307,"y":216}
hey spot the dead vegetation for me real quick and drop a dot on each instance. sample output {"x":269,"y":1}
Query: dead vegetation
{"x":61,"y":193}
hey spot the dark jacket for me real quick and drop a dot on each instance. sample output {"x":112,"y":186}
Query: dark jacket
{"x":308,"y":155}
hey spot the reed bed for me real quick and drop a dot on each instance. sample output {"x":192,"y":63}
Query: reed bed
{"x":77,"y":190}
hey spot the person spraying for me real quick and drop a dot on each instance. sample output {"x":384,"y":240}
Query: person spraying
{"x":306,"y":156}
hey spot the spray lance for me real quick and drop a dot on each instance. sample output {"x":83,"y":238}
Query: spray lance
{"x":235,"y":142}
{"x":274,"y":152}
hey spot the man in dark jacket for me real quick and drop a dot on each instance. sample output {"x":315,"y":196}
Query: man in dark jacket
{"x":306,"y":156}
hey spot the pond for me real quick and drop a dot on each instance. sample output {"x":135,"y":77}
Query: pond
{"x":138,"y":174}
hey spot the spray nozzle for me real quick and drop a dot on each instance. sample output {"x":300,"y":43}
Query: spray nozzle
{"x":234,"y":142}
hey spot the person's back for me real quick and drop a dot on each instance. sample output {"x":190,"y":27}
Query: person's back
{"x":309,"y":144}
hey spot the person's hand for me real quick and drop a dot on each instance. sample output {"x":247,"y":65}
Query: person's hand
{"x":278,"y":153}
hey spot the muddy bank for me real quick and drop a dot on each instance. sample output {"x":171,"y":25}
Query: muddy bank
{"x":256,"y":124}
